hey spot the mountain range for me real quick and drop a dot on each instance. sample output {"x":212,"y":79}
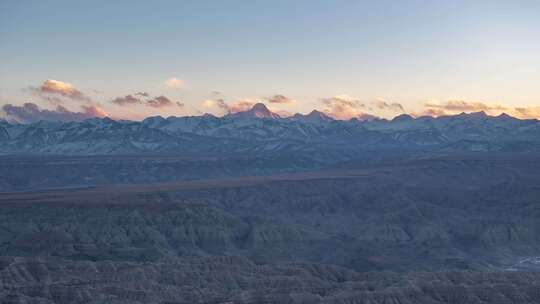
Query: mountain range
{"x":253,"y":207}
{"x":259,"y":130}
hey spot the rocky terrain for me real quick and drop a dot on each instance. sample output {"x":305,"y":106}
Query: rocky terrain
{"x":253,"y":207}
{"x":447,"y":229}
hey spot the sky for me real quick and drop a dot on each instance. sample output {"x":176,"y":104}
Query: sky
{"x":133,"y":59}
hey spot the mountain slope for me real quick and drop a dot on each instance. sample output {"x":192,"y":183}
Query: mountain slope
{"x":260,"y":130}
{"x":314,"y":116}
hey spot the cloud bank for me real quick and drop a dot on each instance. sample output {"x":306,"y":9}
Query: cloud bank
{"x":529,"y":112}
{"x":63,"y":94}
{"x":144,"y":98}
{"x":234,"y":107}
{"x":458,"y":106}
{"x":452,"y":107}
{"x":30,"y":112}
{"x":343,"y":107}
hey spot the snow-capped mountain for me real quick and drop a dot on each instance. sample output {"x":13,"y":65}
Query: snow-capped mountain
{"x":260,"y":130}
{"x":314,"y":117}
{"x":259,"y":110}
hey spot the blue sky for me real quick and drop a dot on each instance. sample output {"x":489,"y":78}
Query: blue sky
{"x":406,"y":52}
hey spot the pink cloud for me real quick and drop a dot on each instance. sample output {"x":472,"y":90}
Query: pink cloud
{"x":51,"y":89}
{"x":30,"y":112}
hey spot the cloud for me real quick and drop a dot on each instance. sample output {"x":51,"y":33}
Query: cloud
{"x":452,"y":107}
{"x":216,"y":103}
{"x":343,"y":107}
{"x":241,"y":105}
{"x":220,"y":103}
{"x":127,"y":100}
{"x":234,"y":107}
{"x":432,"y":112}
{"x":279,"y":99}
{"x":30,"y":112}
{"x":94,"y":111}
{"x":51,"y":89}
{"x":382,"y":104}
{"x":527,"y":112}
{"x":208,"y":103}
{"x":174,"y":82}
{"x":347,"y":107}
{"x":458,"y":106}
{"x":155,"y":102}
{"x":162,"y":101}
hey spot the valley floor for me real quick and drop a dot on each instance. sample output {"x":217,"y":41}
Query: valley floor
{"x":460,"y":229}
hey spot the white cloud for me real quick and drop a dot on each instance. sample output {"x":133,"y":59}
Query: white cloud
{"x":174,"y":82}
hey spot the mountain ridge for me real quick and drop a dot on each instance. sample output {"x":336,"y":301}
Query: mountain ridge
{"x":260,"y":130}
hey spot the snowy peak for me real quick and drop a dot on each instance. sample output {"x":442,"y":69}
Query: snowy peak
{"x":313,"y":117}
{"x":259,"y":110}
{"x":259,"y":129}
